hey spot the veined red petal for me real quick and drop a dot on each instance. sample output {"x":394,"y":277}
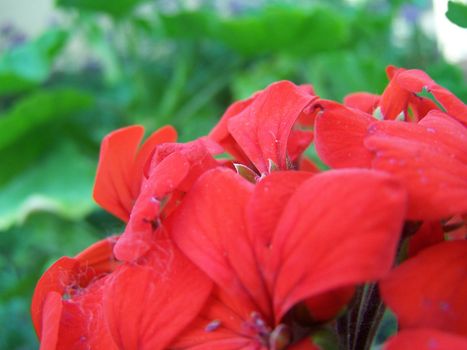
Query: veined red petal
{"x":339,"y":135}
{"x":265,"y":207}
{"x":222,"y":324}
{"x":262,"y":129}
{"x":429,"y":290}
{"x":148,"y":305}
{"x":210,"y":228}
{"x":425,"y":339}
{"x":415,"y":80}
{"x":338,"y":229}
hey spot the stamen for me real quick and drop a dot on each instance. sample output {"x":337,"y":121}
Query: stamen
{"x":212,"y":326}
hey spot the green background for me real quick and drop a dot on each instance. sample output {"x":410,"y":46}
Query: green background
{"x":108,"y":64}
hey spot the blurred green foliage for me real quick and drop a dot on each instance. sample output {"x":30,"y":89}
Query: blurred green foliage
{"x":457,"y":13}
{"x":107,"y":64}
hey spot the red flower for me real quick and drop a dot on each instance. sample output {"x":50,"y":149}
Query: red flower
{"x":121,"y":163}
{"x":401,"y":99}
{"x":259,"y":131}
{"x":66,"y":307}
{"x":415,"y":81}
{"x":171,"y":172}
{"x":289,"y":238}
{"x":148,"y":303}
{"x":80,"y":304}
{"x":429,"y":157}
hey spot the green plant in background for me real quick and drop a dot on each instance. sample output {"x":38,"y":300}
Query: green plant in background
{"x":457,"y":13}
{"x":109,"y":64}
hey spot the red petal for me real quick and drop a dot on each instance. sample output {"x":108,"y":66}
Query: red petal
{"x":210,"y":228}
{"x":196,"y":152}
{"x":262,"y":129}
{"x":220,"y":325}
{"x":430,"y":159}
{"x":394,"y":99}
{"x":82,"y":325}
{"x":428,"y":234}
{"x":305,"y":344}
{"x":147,"y":306}
{"x":326,"y":306}
{"x":120,"y":170}
{"x":52,"y":312}
{"x":307,"y":165}
{"x":339,"y":135}
{"x":79,"y":316}
{"x":55,"y":279}
{"x":163,"y":135}
{"x":266,"y":205}
{"x":421,"y":106}
{"x":415,"y":80}
{"x":347,"y":234}
{"x":425,"y":339}
{"x":430,"y":289}
{"x":299,"y":141}
{"x":174,"y":166}
{"x":68,"y":275}
{"x":362,"y":101}
{"x":221,"y":134}
{"x":98,"y":258}
{"x":113,"y":185}
{"x":452,"y":133}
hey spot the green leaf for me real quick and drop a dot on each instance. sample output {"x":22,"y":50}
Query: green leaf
{"x":40,"y":108}
{"x":117,"y":8}
{"x":59,"y":183}
{"x":284,"y":29}
{"x":189,"y":24}
{"x":457,"y":13}
{"x":338,"y":73}
{"x":28,"y":65}
{"x":273,"y":29}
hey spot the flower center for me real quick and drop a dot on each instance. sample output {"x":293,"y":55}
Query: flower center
{"x":273,"y":339}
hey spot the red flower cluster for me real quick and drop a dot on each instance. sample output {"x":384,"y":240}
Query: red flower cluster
{"x":238,"y":241}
